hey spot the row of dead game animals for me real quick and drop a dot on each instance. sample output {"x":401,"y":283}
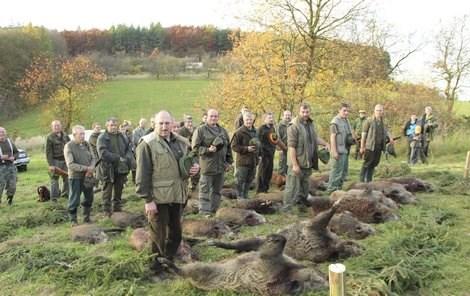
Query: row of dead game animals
{"x":270,"y":264}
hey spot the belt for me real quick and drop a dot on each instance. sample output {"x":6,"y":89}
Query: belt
{"x":59,"y":158}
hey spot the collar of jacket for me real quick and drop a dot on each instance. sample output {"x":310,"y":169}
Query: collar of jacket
{"x":299,"y":120}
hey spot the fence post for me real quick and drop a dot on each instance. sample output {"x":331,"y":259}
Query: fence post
{"x":336,"y":279}
{"x":467,"y":166}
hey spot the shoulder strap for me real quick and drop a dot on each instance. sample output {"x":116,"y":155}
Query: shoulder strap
{"x":9,"y":144}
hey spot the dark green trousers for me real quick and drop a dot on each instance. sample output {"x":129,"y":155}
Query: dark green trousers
{"x":282,"y":163}
{"x":108,"y":188}
{"x":371,"y":160}
{"x":209,"y":192}
{"x":296,"y":187}
{"x":245,"y":176}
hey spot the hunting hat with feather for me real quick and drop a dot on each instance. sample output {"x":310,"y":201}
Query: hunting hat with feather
{"x":186,"y":162}
{"x":218,"y":142}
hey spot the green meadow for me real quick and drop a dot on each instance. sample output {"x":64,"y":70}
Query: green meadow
{"x":463,"y":108}
{"x":426,"y":252}
{"x":129,"y":99}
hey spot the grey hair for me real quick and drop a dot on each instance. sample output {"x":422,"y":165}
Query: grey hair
{"x":77,"y":127}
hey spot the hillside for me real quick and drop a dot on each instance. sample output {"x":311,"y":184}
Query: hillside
{"x":127,"y":99}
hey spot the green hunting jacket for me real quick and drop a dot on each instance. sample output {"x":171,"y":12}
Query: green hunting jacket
{"x":282,"y":131}
{"x":357,"y":125}
{"x":78,"y":158}
{"x":428,"y":126}
{"x":55,"y":147}
{"x":158,"y":176}
{"x":212,"y":163}
{"x":93,"y":140}
{"x":110,"y":159}
{"x":341,"y":128}
{"x":297,"y":138}
{"x":370,"y":132}
{"x":186,"y":133}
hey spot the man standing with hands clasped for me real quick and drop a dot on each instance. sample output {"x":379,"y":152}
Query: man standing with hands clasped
{"x":211,"y":142}
{"x":159,"y":181}
{"x":341,"y":139}
{"x":302,"y":157}
{"x":80,"y":161}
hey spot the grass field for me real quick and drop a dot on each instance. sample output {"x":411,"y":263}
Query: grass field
{"x":127,"y":99}
{"x":425,"y":253}
{"x":463,"y":108}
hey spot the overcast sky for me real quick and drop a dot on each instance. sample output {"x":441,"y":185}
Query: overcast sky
{"x":418,"y":17}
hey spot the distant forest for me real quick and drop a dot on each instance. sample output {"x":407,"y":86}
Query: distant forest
{"x":177,"y":41}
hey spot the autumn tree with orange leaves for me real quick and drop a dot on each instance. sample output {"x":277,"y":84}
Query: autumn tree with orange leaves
{"x":63,"y":86}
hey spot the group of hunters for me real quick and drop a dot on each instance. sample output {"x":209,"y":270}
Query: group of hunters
{"x":171,"y":158}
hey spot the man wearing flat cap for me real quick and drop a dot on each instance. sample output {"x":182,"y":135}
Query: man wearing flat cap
{"x":357,"y":128}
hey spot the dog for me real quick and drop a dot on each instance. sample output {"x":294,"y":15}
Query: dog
{"x":43,"y":194}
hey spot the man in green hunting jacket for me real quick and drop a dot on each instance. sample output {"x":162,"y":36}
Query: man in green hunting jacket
{"x":357,"y":128}
{"x":340,"y":135}
{"x":373,"y":141}
{"x":302,"y":157}
{"x":160,"y":183}
{"x":211,"y":142}
{"x":428,"y":126}
{"x":117,"y":159}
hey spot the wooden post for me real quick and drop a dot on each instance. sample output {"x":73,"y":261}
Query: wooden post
{"x":336,"y":278}
{"x":467,"y":166}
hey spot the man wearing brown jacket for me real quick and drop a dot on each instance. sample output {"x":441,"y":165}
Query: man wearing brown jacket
{"x":55,"y":143}
{"x":159,"y":181}
{"x":244,"y":143}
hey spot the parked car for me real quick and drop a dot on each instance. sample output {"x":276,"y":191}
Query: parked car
{"x":22,"y":161}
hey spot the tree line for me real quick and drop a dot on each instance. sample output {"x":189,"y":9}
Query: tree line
{"x":177,"y":40}
{"x":119,"y":49}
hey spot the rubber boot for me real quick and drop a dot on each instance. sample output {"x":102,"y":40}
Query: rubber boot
{"x":370,"y":175}
{"x":86,"y":215}
{"x":73,"y":218}
{"x":362,"y":175}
